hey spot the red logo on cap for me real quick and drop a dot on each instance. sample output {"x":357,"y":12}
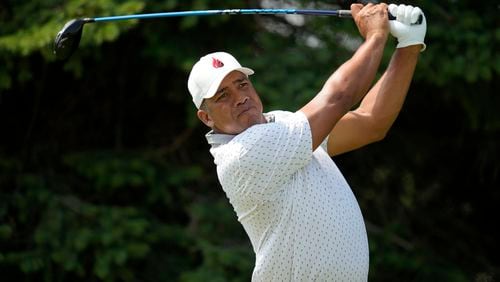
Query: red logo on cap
{"x":216,"y":63}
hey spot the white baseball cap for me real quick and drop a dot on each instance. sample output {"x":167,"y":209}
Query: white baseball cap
{"x":207,"y":74}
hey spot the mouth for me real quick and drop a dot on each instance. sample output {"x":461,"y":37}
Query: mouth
{"x":244,"y":111}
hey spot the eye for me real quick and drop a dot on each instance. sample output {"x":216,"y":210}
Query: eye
{"x":222,"y":95}
{"x":243,"y":84}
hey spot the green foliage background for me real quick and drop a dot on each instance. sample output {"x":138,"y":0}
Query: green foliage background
{"x":105,"y":174}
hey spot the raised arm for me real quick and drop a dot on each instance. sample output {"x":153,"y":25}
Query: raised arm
{"x":377,"y":112}
{"x":350,"y":82}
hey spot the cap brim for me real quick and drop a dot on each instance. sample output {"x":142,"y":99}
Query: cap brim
{"x":215,"y":84}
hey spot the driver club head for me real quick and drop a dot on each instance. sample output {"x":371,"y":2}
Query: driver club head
{"x":68,"y":38}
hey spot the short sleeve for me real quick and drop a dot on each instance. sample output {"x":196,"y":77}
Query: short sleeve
{"x":324,"y":144}
{"x":257,"y":162}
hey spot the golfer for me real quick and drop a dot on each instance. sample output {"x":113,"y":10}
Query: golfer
{"x":301,"y":216}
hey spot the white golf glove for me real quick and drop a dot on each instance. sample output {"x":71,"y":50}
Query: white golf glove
{"x":405,"y":28}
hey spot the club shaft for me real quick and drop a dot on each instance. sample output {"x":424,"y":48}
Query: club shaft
{"x":337,"y":13}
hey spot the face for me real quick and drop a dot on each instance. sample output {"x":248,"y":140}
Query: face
{"x":235,"y":106}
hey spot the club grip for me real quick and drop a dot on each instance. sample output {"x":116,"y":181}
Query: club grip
{"x":344,"y":14}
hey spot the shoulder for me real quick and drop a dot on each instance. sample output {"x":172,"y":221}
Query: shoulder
{"x":284,"y":131}
{"x":280,"y":124}
{"x":288,"y":118}
{"x":279,"y":114}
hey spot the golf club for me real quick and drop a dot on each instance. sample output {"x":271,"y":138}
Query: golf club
{"x":68,"y":38}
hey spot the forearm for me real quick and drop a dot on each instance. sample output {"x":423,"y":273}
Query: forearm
{"x":344,"y":88}
{"x":384,"y":101}
{"x":352,"y":79}
{"x":347,"y":85}
{"x":378,"y":110}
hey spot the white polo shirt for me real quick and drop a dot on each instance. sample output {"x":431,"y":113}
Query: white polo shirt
{"x":300,"y":214}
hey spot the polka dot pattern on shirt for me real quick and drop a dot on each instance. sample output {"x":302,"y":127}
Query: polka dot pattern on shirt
{"x":300,"y":214}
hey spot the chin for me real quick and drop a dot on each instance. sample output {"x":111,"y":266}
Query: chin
{"x":254,"y":119}
{"x":242,"y":123}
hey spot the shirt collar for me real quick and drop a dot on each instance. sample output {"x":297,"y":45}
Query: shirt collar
{"x":216,"y":139}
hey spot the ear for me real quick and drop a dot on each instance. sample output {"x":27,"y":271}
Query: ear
{"x":205,"y":118}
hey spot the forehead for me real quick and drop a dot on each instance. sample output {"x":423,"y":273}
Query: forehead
{"x":232,"y":77}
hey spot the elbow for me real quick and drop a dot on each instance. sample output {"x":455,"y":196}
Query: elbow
{"x":343,"y":100}
{"x":375,"y":124}
{"x":379,"y":135}
{"x":339,"y":92}
{"x":339,"y":98}
{"x":378,"y":130}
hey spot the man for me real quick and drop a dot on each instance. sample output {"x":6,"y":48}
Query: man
{"x":300,"y":214}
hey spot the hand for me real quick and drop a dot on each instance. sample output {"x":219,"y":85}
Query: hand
{"x":371,"y":19}
{"x":404,"y":28}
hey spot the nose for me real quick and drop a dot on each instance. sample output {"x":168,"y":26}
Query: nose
{"x":241,"y":99}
